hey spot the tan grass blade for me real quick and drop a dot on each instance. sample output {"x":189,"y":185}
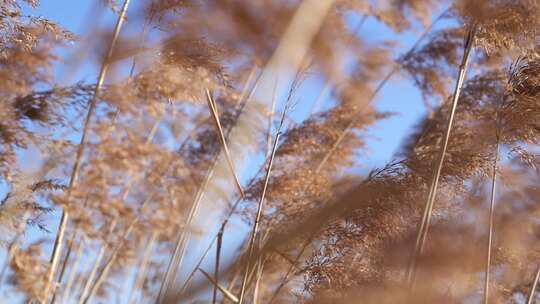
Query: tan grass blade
{"x":426,"y":217}
{"x":57,"y":249}
{"x":93,"y":273}
{"x":258,"y":279}
{"x":114,"y":254}
{"x":271,"y":119}
{"x":530,"y":298}
{"x":143,"y":268}
{"x":218,"y":256}
{"x":125,"y":195}
{"x":215,"y":117}
{"x":110,"y":130}
{"x":73,"y":272}
{"x":491,"y":220}
{"x":214,"y":239}
{"x":182,"y":239}
{"x":64,"y":264}
{"x":223,"y":290}
{"x":260,"y":206}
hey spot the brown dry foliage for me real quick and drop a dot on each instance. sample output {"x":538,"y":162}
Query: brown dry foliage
{"x":328,"y":234}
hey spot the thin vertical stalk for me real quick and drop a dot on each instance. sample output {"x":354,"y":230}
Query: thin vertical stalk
{"x":110,"y":130}
{"x":181,"y":242}
{"x":183,"y":238}
{"x":215,"y":116}
{"x":271,"y":118}
{"x":65,"y":263}
{"x":426,"y":217}
{"x":216,"y":270}
{"x":319,"y":99}
{"x":258,"y":279}
{"x":114,"y":254}
{"x":68,"y":254}
{"x":73,"y":272}
{"x":491,"y":220}
{"x":229,"y":295}
{"x":261,"y":261}
{"x":260,"y":208}
{"x":285,"y":279}
{"x":57,"y":249}
{"x":234,"y":277}
{"x":114,"y":221}
{"x":93,"y":273}
{"x":530,"y":298}
{"x":214,"y":239}
{"x":141,"y":273}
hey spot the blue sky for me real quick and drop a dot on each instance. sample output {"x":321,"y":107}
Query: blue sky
{"x":399,"y":96}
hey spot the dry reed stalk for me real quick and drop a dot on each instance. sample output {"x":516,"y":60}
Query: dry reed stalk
{"x":289,"y":50}
{"x":93,"y":273}
{"x":271,"y":119}
{"x":530,"y":298}
{"x":293,"y":263}
{"x":68,"y":254}
{"x":215,"y":117}
{"x":218,"y":256}
{"x":319,"y":99}
{"x":247,"y":93}
{"x":182,"y":239}
{"x":259,"y":269}
{"x":106,"y":268}
{"x":125,"y":194}
{"x":491,"y":220}
{"x":258,"y":216}
{"x":73,"y":272}
{"x":349,"y":126}
{"x":64,"y":264}
{"x":214,"y":239}
{"x":143,"y":268}
{"x":426,"y":217}
{"x":109,"y":132}
{"x":229,"y":295}
{"x":57,"y":248}
{"x":258,"y":280}
{"x":235,"y":276}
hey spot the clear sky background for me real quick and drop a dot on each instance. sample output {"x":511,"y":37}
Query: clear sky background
{"x":399,"y":96}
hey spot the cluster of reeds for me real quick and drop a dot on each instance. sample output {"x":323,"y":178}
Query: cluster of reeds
{"x":203,"y":113}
